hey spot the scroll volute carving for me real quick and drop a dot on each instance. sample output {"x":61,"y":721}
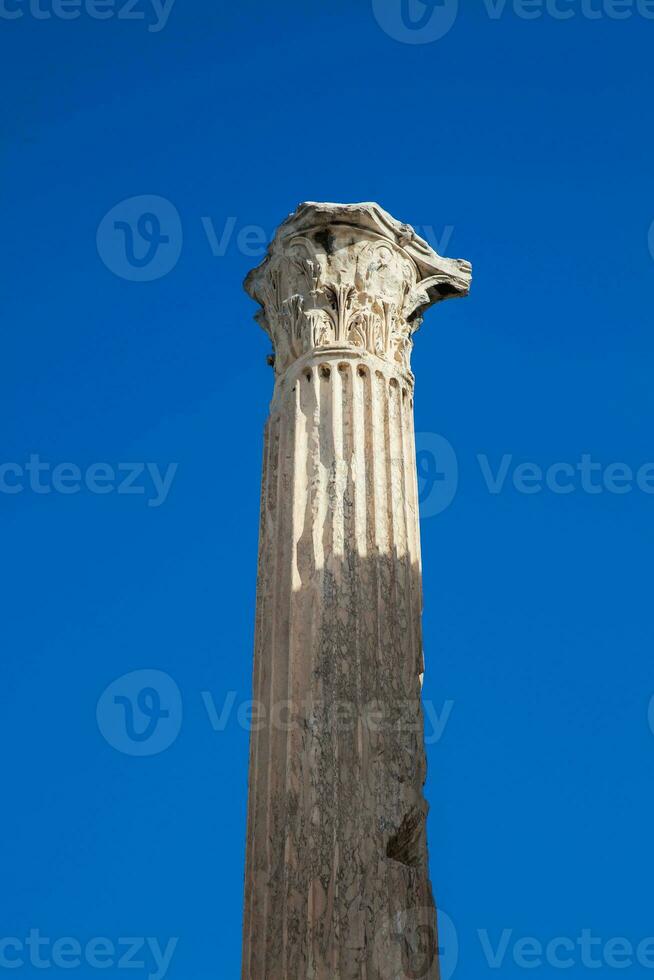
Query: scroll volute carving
{"x":341,"y":284}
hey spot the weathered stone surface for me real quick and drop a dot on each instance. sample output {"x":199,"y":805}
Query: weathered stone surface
{"x":337,"y":883}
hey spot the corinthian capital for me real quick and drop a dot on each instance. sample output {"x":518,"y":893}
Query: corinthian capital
{"x":349,"y":276}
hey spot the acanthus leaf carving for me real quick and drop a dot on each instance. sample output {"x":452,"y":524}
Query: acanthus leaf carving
{"x":341,"y":297}
{"x":293,"y":319}
{"x":321,"y":328}
{"x":351,"y":276}
{"x":364,"y":329}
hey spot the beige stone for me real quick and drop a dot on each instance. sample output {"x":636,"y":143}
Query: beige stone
{"x":337,"y":884}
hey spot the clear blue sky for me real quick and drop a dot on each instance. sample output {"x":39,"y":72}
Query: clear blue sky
{"x":527,"y":145}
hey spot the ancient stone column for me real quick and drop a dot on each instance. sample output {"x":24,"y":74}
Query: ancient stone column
{"x":337,"y":883}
